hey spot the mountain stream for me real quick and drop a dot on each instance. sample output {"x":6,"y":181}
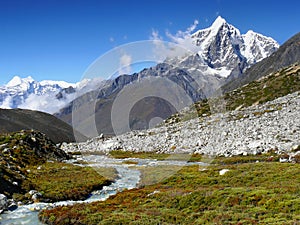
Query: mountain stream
{"x":128,"y":178}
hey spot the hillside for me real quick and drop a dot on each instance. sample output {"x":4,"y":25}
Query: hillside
{"x":21,"y":149}
{"x":12,"y":120}
{"x":267,"y":88}
{"x":256,"y":118}
{"x":34,"y":169}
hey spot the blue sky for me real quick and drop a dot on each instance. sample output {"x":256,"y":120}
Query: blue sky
{"x":59,"y":39}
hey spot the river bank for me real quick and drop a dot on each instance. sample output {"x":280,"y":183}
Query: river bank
{"x":128,"y":177}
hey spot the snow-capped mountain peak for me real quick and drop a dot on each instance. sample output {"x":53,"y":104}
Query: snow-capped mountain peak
{"x":16,"y":81}
{"x":218,"y":23}
{"x":61,"y":84}
{"x":257,"y":46}
{"x":224,"y":49}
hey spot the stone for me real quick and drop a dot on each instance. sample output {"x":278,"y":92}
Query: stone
{"x":12,"y":206}
{"x":36,"y":197}
{"x":223,"y":171}
{"x":32,"y":192}
{"x":3,"y":203}
{"x":254,"y":144}
{"x":295,"y":147}
{"x":283,"y":160}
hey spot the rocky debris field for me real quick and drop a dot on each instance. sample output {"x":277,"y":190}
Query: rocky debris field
{"x":273,"y":126}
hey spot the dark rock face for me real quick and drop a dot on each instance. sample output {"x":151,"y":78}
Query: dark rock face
{"x":43,"y":147}
{"x":65,"y":91}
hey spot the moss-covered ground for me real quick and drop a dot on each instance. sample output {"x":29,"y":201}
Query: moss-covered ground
{"x":31,"y":161}
{"x":58,"y":181}
{"x":260,"y":192}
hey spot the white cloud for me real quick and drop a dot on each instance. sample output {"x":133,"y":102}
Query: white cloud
{"x":7,"y":103}
{"x":111,"y":39}
{"x":179,"y":45}
{"x":124,"y":65}
{"x":184,"y":39}
{"x":46,"y":103}
{"x":155,"y":35}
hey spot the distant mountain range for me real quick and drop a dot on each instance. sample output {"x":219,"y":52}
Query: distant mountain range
{"x":222,"y":52}
{"x":47,"y":96}
{"x":223,"y":55}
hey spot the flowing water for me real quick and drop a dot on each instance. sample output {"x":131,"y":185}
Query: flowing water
{"x":128,"y":178}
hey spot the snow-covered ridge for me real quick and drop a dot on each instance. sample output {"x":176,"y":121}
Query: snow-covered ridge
{"x":17,"y":81}
{"x":30,"y":94}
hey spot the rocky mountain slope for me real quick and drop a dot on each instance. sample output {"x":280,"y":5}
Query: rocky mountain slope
{"x":258,"y":129}
{"x":221,"y":51}
{"x":12,"y":120}
{"x":254,"y":129}
{"x":287,"y":54}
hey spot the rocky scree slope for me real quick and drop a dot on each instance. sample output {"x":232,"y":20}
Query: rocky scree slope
{"x":264,"y":116}
{"x":273,"y":126}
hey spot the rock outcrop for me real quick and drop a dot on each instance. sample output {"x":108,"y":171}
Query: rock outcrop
{"x":20,"y":149}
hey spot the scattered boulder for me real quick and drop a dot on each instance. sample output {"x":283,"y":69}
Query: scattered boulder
{"x":272,"y":126}
{"x":12,"y":205}
{"x":35,"y":196}
{"x":3,"y":203}
{"x":223,"y":171}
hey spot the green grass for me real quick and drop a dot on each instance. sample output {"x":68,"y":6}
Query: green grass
{"x":249,"y":193}
{"x":62,"y":181}
{"x":119,"y":154}
{"x":276,"y":85}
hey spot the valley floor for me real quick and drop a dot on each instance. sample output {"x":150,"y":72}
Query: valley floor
{"x":237,"y":190}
